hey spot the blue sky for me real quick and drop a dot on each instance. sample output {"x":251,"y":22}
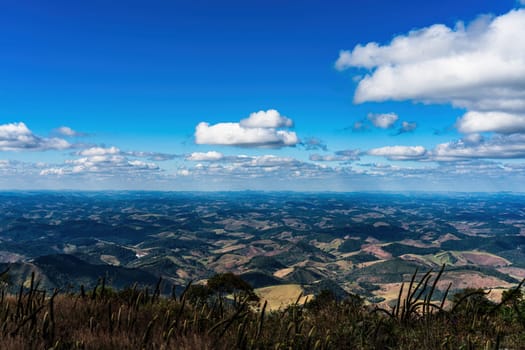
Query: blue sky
{"x":263,"y":95}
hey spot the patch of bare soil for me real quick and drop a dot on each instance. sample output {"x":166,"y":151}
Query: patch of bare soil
{"x":377,"y":251}
{"x":447,"y":237}
{"x":515,"y":272}
{"x":462,"y":280}
{"x":485,"y":259}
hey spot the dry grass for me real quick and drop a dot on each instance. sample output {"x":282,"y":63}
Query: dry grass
{"x":141,"y":319}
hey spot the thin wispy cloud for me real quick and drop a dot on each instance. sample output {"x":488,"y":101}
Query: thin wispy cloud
{"x":314,"y":143}
{"x":406,"y":127}
{"x":345,"y":156}
{"x":66,"y":131}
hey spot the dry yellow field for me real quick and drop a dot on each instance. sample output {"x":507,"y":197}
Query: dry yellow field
{"x":281,"y":296}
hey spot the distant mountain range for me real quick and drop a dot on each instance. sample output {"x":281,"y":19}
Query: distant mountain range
{"x":365,"y":243}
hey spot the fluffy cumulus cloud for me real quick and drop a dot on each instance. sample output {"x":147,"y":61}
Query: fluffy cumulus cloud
{"x":104,"y":162}
{"x":479,"y":67}
{"x":500,"y":122}
{"x":266,"y":119}
{"x":99,"y":151}
{"x":205,"y":156}
{"x":262,"y":129}
{"x":18,"y":137}
{"x":399,"y":152}
{"x":383,"y":121}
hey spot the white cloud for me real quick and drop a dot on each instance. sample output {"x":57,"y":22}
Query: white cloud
{"x":480,"y":67}
{"x":99,"y":151}
{"x":243,"y":167}
{"x":475,"y":147}
{"x":325,"y":158}
{"x":103,"y":161}
{"x":501,"y":122}
{"x":154,"y":156}
{"x":18,"y":137}
{"x":208,"y":156}
{"x":269,"y":161}
{"x":383,"y":121}
{"x":52,"y":171}
{"x":266,"y":119}
{"x":232,"y":134}
{"x":339,"y":156}
{"x":68,"y":132}
{"x":183,"y":172}
{"x":142,"y":165}
{"x":103,"y":151}
{"x":258,"y":130}
{"x":399,"y":152}
{"x":471,"y":147}
{"x":473,"y":138}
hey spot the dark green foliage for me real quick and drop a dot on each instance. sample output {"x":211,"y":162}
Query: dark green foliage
{"x":198,"y":294}
{"x":303,"y":275}
{"x":472,"y":300}
{"x":488,"y":244}
{"x":230,"y":283}
{"x":486,"y":271}
{"x":350,"y":245}
{"x":397,"y":249}
{"x":173,"y":243}
{"x":382,"y":233}
{"x":327,"y":285}
{"x":265,"y":263}
{"x":370,"y":287}
{"x":259,"y":279}
{"x":5,"y":280}
{"x":389,"y":271}
{"x":362,"y":258}
{"x":227,"y":283}
{"x":321,"y":300}
{"x":517,"y":257}
{"x":61,"y":269}
{"x":300,"y":251}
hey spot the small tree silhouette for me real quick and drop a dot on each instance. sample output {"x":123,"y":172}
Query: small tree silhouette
{"x":229,"y":283}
